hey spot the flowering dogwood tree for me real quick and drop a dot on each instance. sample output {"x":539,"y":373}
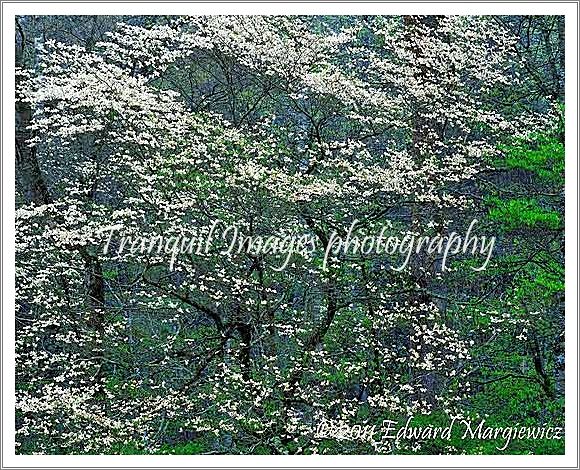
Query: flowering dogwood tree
{"x":279,"y":126}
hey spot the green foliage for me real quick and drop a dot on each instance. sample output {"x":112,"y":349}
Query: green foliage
{"x":515,"y":214}
{"x":187,"y":448}
{"x":541,"y":154}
